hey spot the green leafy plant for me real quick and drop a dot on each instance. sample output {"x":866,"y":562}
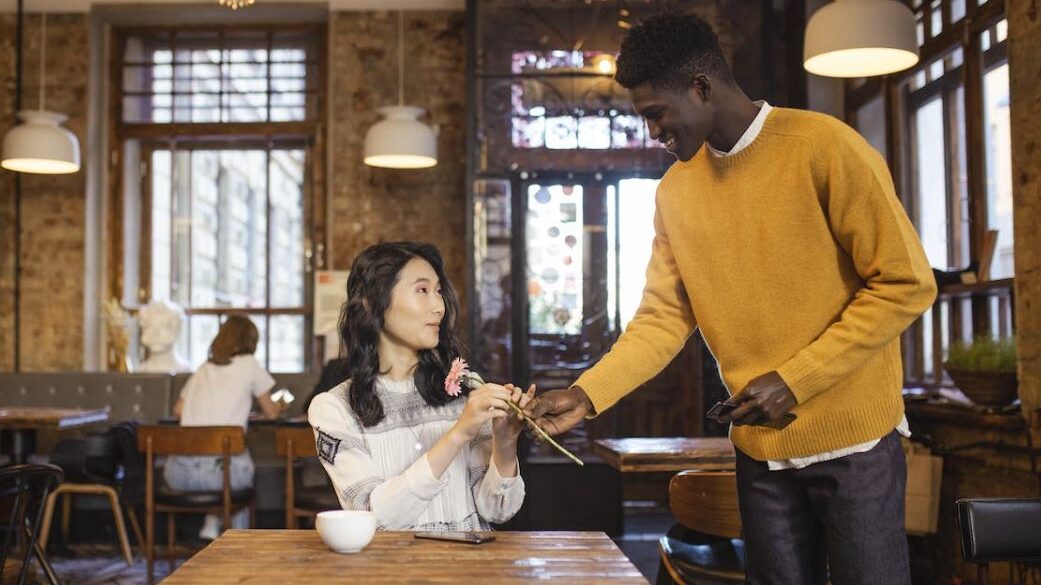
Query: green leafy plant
{"x":983,"y":355}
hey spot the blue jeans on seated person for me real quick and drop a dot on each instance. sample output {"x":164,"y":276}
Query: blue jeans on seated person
{"x":204,"y":474}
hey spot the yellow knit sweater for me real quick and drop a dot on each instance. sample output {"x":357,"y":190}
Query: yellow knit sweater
{"x":792,"y":255}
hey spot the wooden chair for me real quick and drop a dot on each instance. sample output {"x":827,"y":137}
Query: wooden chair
{"x":75,"y":456}
{"x":293,"y":442}
{"x":705,"y":502}
{"x":171,"y":440}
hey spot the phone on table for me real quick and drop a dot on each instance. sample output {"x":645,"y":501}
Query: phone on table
{"x":457,"y":536}
{"x":721,"y":408}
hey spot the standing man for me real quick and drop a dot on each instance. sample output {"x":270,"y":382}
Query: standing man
{"x":778,"y":232}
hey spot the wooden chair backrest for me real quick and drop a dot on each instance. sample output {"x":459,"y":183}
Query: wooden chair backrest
{"x":171,"y":440}
{"x":706,"y":501}
{"x":295,"y":442}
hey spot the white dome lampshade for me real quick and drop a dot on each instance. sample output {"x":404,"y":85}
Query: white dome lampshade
{"x":860,"y":38}
{"x":400,"y":140}
{"x":41,"y":145}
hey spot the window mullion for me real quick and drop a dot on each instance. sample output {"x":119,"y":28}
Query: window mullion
{"x":977,"y":169}
{"x":267,"y":249}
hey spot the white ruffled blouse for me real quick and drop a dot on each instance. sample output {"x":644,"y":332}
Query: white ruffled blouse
{"x":384,"y":468}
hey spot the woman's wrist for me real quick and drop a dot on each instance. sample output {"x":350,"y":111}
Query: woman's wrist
{"x":458,"y":435}
{"x":505,"y":444}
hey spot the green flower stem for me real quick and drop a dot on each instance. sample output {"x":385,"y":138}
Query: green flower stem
{"x":545,"y":436}
{"x":476,"y":379}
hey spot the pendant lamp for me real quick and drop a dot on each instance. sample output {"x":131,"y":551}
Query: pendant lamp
{"x":400,"y":140}
{"x":39,"y":144}
{"x":860,"y":38}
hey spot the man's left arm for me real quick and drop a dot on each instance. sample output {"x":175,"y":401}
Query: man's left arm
{"x":870,"y":224}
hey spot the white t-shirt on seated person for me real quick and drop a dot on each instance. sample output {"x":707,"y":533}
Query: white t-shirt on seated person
{"x":218,"y":395}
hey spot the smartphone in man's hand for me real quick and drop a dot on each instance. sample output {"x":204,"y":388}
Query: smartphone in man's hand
{"x":719,"y":409}
{"x":722,"y":408}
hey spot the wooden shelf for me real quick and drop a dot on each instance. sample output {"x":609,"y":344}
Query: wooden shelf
{"x":962,"y":415}
{"x":956,"y":290}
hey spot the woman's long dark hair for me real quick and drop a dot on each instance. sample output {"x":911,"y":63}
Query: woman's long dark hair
{"x":373,"y":276}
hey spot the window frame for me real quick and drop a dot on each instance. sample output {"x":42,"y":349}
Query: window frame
{"x":308,"y":133}
{"x":965,"y":34}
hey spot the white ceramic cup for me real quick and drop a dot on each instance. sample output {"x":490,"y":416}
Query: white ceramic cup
{"x":346,"y":531}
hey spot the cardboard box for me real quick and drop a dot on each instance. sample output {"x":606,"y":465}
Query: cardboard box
{"x":922,"y":496}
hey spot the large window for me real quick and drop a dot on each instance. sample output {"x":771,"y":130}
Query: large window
{"x":630,"y":221}
{"x":218,"y":76}
{"x":944,"y":128}
{"x":221,"y":218}
{"x":565,"y":100}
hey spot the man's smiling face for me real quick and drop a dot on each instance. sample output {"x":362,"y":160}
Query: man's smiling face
{"x":679,"y":119}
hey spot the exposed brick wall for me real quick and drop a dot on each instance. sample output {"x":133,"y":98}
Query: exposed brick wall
{"x":7,"y":73}
{"x":52,"y":206}
{"x":373,"y":204}
{"x":1024,"y":38}
{"x":368,"y":204}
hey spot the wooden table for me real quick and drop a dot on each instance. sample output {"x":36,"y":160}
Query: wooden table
{"x":667,"y":453}
{"x":299,"y":557}
{"x":20,"y":423}
{"x":299,"y":420}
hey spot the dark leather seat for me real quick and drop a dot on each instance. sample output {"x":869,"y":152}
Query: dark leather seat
{"x":705,"y":559}
{"x":1000,"y":529}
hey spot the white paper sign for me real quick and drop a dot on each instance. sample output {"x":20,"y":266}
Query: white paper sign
{"x":330,"y":293}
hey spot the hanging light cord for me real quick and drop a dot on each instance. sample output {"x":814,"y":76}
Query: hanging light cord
{"x":401,"y":57}
{"x":43,"y":57}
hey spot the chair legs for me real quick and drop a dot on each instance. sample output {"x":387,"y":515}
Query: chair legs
{"x":150,"y":545}
{"x":148,"y":541}
{"x":42,"y":559}
{"x":66,"y":491}
{"x":171,"y":533}
{"x":121,"y":529}
{"x":66,"y":514}
{"x":136,"y":527}
{"x":48,"y":516}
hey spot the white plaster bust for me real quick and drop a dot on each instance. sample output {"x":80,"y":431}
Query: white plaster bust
{"x":160,"y":323}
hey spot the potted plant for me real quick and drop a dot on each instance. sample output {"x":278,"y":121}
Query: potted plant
{"x":984,"y":370}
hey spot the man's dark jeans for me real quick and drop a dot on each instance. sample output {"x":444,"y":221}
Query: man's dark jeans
{"x":845,"y":515}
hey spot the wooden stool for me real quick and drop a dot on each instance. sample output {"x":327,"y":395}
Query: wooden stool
{"x":67,"y":490}
{"x":706,"y":502}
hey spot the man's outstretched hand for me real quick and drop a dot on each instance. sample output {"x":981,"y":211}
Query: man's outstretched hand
{"x":765,"y":399}
{"x":558,"y":411}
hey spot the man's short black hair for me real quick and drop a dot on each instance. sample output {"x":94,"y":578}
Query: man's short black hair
{"x":667,"y":50}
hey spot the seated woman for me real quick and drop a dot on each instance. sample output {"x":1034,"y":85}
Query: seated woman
{"x":221,"y":393}
{"x":391,"y":438}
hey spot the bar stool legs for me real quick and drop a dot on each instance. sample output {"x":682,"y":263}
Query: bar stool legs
{"x":66,"y":491}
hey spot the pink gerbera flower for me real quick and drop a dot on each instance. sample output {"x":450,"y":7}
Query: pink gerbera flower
{"x":453,"y":381}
